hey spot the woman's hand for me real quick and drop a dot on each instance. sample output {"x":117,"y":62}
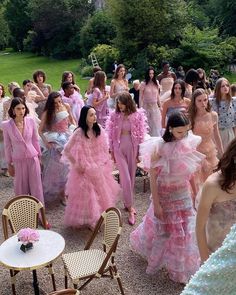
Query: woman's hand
{"x":11,"y":170}
{"x":158,"y":212}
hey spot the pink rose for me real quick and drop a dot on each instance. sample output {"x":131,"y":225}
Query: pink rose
{"x":28,"y":235}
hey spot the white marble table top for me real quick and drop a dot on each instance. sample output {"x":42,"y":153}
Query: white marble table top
{"x":45,"y":251}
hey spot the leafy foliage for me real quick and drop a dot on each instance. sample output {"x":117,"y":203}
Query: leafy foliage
{"x":19,"y":21}
{"x":106,"y":54}
{"x":57,"y":30}
{"x":98,"y":29}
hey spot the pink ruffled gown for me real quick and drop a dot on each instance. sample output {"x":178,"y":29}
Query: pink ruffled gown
{"x":170,"y":243}
{"x":90,"y":186}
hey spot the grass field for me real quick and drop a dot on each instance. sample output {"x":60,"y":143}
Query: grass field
{"x":20,"y":66}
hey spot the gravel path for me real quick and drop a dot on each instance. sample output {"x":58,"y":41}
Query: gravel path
{"x":131,"y":266}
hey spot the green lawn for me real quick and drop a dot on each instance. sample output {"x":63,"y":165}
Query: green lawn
{"x":20,"y":66}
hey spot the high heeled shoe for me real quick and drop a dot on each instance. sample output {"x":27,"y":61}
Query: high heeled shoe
{"x":131,"y":218}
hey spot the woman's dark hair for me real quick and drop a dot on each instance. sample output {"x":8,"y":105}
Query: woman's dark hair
{"x":177,"y":119}
{"x":18,"y":92}
{"x":191,"y":77}
{"x":193,"y":109}
{"x":96,"y":69}
{"x":3,"y":90}
{"x":126,"y":99}
{"x":182,"y":84}
{"x":120,"y":66}
{"x":50,"y":108}
{"x":65,"y":75}
{"x":39,"y":73}
{"x":83,"y":122}
{"x":147,"y":77}
{"x":227,"y":166}
{"x":26,"y":82}
{"x":14,"y":103}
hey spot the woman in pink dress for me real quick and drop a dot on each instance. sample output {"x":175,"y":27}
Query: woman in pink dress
{"x":99,"y":98}
{"x":217,"y":206}
{"x":3,"y":164}
{"x":149,"y":99}
{"x":166,"y":79}
{"x":166,"y":236}
{"x":119,"y":84}
{"x":126,"y":129}
{"x":22,"y":150}
{"x":39,"y":78}
{"x":176,"y":102}
{"x":54,"y":132}
{"x":90,"y":186}
{"x":205,"y":124}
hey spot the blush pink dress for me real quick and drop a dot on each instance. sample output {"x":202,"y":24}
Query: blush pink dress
{"x":205,"y":129}
{"x":170,"y":243}
{"x":90,"y":186}
{"x":150,"y":94}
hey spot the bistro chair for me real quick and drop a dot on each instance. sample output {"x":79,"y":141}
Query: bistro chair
{"x":96,"y":263}
{"x":22,"y":212}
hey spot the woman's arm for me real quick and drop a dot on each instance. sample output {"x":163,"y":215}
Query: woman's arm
{"x":158,"y":211}
{"x":98,"y":98}
{"x":68,"y":147}
{"x":39,"y":93}
{"x":217,"y":134}
{"x":112,"y":89}
{"x":207,"y":198}
{"x":163,"y":114}
{"x":71,"y":117}
{"x":35,"y":137}
{"x":8,"y":150}
{"x":141,"y":93}
{"x":42,"y":127}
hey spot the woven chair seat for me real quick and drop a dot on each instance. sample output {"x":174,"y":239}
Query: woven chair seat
{"x":77,"y":263}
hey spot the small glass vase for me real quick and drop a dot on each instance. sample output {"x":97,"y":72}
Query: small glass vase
{"x":26,"y":247}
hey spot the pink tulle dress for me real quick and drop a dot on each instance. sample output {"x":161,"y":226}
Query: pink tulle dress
{"x":170,"y":243}
{"x":205,"y":129}
{"x":90,"y":186}
{"x":54,"y":172}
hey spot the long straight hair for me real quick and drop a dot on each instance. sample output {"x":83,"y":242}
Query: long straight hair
{"x":50,"y":108}
{"x":182,"y":85}
{"x":83,"y":122}
{"x":147,"y":77}
{"x":218,"y":91}
{"x":193,"y":109}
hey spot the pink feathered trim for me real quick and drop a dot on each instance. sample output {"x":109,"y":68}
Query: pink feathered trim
{"x":138,"y":123}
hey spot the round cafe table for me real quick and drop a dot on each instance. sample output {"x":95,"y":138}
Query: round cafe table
{"x":49,"y":247}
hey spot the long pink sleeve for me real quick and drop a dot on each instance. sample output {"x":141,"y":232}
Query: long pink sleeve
{"x":7,"y":142}
{"x":110,"y":124}
{"x":35,"y":138}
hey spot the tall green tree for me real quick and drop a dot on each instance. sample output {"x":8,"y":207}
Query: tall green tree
{"x":98,"y":29}
{"x":19,"y":21}
{"x":4,"y":30}
{"x":144,"y":22}
{"x":57,"y":25}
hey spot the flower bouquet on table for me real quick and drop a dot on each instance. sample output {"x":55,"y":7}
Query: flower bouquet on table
{"x":27,"y":236}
